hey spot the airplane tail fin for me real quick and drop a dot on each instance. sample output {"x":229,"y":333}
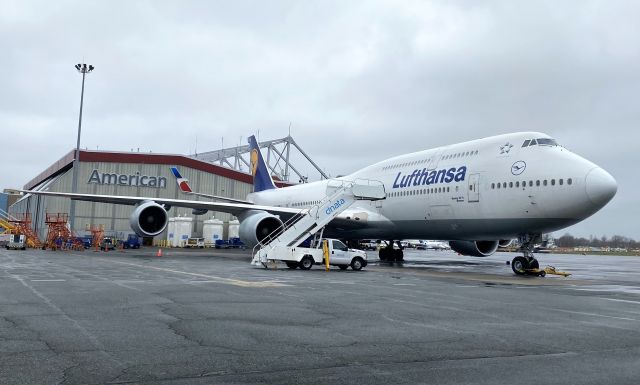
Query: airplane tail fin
{"x":261,"y":178}
{"x":183,"y":183}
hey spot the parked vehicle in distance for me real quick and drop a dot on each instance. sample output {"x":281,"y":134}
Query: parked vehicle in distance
{"x":107,"y":244}
{"x":17,"y":242}
{"x":195,"y":242}
{"x":132,"y":242}
{"x":232,"y":243}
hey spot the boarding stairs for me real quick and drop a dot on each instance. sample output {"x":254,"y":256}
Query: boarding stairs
{"x":341,"y":194}
{"x":22,"y":225}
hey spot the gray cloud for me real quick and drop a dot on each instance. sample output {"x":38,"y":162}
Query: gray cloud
{"x":365,"y":80}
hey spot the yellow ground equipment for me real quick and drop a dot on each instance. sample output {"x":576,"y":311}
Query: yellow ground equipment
{"x":22,"y":223}
{"x":545,"y":271}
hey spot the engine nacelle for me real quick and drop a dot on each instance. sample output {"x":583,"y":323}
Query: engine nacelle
{"x":148,"y":219}
{"x":505,"y":242}
{"x":257,"y":226}
{"x":474,"y":248}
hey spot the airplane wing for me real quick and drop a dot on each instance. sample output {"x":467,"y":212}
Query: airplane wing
{"x":224,"y":207}
{"x":219,"y":198}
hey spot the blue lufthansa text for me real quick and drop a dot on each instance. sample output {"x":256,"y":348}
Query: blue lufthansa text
{"x":424,"y":177}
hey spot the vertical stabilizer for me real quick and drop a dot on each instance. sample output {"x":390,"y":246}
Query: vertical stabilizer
{"x":261,"y":178}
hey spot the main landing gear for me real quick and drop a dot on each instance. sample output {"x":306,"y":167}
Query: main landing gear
{"x":389,"y":254}
{"x":527,"y":263}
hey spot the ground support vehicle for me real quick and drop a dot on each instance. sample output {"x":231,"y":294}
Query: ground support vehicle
{"x":132,"y":242}
{"x":17,"y":242}
{"x":195,"y":242}
{"x":107,"y":244}
{"x":305,"y":257}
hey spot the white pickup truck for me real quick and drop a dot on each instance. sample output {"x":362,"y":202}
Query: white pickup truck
{"x":305,"y":257}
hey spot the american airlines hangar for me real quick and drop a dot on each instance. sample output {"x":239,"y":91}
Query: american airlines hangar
{"x":127,"y":174}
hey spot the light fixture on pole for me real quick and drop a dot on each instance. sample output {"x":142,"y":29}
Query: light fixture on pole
{"x":84,"y":69}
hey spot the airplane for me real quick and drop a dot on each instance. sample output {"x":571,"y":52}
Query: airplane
{"x":479,"y":195}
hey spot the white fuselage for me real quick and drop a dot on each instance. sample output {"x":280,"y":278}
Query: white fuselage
{"x":491,"y":188}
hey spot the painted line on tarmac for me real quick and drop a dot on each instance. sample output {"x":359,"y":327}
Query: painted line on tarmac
{"x":212,"y":278}
{"x":48,"y":280}
{"x":597,"y":315}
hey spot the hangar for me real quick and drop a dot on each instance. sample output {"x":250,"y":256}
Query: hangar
{"x":127,"y":174}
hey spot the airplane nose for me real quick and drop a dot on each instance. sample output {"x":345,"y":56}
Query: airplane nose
{"x":600,"y":186}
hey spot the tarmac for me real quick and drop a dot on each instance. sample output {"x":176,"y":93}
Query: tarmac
{"x":209,"y":317}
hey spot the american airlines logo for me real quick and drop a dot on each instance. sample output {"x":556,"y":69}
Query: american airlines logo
{"x":134,"y":180}
{"x":425,"y":178}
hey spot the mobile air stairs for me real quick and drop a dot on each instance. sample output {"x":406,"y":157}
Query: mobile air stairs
{"x":340,"y":195}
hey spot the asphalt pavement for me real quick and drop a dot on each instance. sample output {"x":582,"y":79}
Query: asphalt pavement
{"x":209,"y":317}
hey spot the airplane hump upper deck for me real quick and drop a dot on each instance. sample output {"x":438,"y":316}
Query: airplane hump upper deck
{"x":261,"y":178}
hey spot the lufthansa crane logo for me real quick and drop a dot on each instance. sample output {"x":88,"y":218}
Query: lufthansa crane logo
{"x":518,"y":167}
{"x":254,"y":161}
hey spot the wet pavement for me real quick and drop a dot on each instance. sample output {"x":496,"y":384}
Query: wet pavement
{"x":207,"y":316}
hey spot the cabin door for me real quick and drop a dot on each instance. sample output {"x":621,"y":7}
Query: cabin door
{"x":474,"y":188}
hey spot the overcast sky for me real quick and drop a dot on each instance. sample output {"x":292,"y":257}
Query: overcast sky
{"x":358,"y":80}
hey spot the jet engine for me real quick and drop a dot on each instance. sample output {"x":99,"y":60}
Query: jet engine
{"x":474,"y":248}
{"x":257,"y":226}
{"x":148,"y":219}
{"x":505,"y":242}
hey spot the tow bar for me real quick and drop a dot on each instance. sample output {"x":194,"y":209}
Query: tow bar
{"x":545,"y":271}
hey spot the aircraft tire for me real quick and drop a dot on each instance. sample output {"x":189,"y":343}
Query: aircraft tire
{"x":398,"y":255}
{"x":519,"y":265}
{"x":533,"y":264}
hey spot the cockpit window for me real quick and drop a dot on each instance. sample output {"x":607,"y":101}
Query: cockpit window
{"x":533,"y":142}
{"x":547,"y":142}
{"x":526,"y":143}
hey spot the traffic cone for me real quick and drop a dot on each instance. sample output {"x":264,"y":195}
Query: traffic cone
{"x":159,"y":253}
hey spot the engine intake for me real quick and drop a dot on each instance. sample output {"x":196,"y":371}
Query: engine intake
{"x":474,"y":248}
{"x":257,"y":226}
{"x":148,"y":219}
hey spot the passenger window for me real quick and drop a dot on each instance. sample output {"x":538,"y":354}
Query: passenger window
{"x":517,"y":184}
{"x":504,"y":185}
{"x":526,"y":143}
{"x":553,"y":182}
{"x":510,"y":184}
{"x":561,"y":182}
{"x":569,"y":181}
{"x":544,"y":182}
{"x":493,"y":186}
{"x":498,"y":186}
{"x":538,"y":183}
{"x":530,"y":183}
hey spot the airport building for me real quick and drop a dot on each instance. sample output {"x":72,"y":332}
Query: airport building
{"x":127,"y":174}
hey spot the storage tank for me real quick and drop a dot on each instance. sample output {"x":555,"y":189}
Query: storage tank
{"x":171,"y":229}
{"x":234,"y":229}
{"x":211,"y":231}
{"x":184,"y":227}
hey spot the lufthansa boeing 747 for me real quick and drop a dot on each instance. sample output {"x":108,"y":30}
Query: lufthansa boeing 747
{"x":478,"y":194}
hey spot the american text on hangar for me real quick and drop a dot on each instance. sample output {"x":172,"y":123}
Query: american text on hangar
{"x":134,"y":180}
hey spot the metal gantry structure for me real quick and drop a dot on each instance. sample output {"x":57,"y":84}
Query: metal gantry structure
{"x":278,"y":158}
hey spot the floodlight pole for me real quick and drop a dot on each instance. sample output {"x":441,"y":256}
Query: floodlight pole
{"x":84,"y":70}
